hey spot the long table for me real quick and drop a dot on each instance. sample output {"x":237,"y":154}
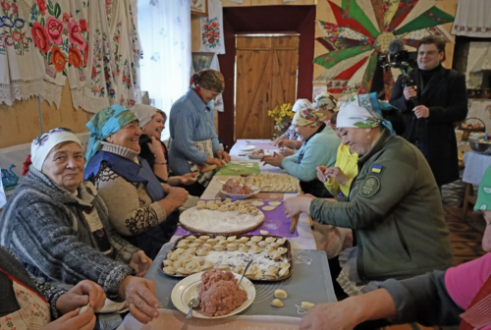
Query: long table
{"x":310,"y":280}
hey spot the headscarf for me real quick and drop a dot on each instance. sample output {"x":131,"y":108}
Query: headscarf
{"x":105,"y":123}
{"x":43,"y":144}
{"x":300,"y":104}
{"x":308,"y":117}
{"x":208,"y":79}
{"x":483,"y":202}
{"x":326,"y":100}
{"x":364,"y":111}
{"x":144,"y":113}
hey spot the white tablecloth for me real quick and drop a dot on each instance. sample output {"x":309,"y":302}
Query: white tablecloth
{"x":475,"y":166}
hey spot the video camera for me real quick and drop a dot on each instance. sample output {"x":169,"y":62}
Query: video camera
{"x":399,"y":57}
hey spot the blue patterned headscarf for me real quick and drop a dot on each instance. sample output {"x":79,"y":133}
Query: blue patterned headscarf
{"x":364,"y":111}
{"x":105,"y":123}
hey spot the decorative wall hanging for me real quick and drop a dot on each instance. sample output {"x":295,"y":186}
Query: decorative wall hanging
{"x":44,"y":42}
{"x":363,"y":32}
{"x":472,"y":18}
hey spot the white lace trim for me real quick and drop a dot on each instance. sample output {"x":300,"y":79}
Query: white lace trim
{"x":88,"y":103}
{"x":21,"y":90}
{"x":52,"y":94}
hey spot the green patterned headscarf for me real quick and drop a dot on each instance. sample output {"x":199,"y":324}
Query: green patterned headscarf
{"x":105,"y":123}
{"x":483,"y":202}
{"x":364,"y":111}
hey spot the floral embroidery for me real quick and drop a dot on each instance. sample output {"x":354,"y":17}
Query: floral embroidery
{"x":60,"y":38}
{"x":211,"y":35}
{"x":13,"y":34}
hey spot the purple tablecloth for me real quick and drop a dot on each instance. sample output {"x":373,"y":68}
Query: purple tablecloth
{"x":275,"y":222}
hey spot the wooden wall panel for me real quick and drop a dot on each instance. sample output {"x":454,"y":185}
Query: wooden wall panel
{"x":281,"y":3}
{"x":228,"y":3}
{"x":19,"y":123}
{"x":195,"y":33}
{"x":66,"y":115}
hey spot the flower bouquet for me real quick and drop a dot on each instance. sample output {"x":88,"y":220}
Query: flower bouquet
{"x":282,"y":116}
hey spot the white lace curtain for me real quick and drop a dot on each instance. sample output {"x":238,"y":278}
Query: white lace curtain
{"x":472,"y":18}
{"x":164,"y":27}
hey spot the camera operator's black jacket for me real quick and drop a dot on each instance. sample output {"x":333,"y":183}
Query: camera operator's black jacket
{"x":446,"y":96}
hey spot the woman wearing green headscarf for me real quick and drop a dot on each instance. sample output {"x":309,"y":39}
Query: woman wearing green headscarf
{"x":394,"y":206}
{"x":140,"y":207}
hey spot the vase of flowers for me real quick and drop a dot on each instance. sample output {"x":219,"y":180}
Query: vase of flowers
{"x":282,"y":115}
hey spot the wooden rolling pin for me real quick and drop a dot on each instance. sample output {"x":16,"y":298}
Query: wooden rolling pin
{"x":294,"y":223}
{"x":209,"y":168}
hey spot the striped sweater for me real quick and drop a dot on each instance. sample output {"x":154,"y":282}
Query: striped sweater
{"x":46,"y":228}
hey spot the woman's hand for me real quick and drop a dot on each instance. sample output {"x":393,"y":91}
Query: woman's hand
{"x":337,"y":174}
{"x":80,"y":295}
{"x":188,"y":178}
{"x":274,"y":160}
{"x":178,"y":196}
{"x":214,"y":161}
{"x":156,"y":149}
{"x":297,"y":205}
{"x":275,"y":142}
{"x":292,"y":144}
{"x":140,"y":262}
{"x":223,"y":155}
{"x":320,"y":173}
{"x":73,"y":321}
{"x":287,"y":151}
{"x":139,"y":294}
{"x":330,"y":316}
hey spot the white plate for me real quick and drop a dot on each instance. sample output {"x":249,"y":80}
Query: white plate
{"x":188,"y":288}
{"x":247,"y":147}
{"x":254,"y":190}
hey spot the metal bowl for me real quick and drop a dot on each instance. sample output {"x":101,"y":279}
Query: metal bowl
{"x":480,"y":146}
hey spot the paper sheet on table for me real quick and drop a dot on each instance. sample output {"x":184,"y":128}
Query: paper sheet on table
{"x":170,"y":319}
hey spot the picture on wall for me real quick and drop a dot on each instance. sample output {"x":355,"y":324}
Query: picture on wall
{"x":202,"y":60}
{"x":199,"y":7}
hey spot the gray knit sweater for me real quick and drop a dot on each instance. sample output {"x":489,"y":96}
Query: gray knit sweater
{"x":45,"y":226}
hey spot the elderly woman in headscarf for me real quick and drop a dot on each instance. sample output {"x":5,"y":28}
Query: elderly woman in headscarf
{"x":153,"y":150}
{"x":194,"y":143}
{"x":394,"y":206}
{"x":459,"y":295}
{"x":58,"y":226}
{"x":139,"y":207}
{"x":320,"y":144}
{"x":326,"y":104}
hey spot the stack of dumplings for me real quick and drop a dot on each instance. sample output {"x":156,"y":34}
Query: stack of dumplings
{"x":228,"y":206}
{"x":190,"y":256}
{"x":272,"y":182}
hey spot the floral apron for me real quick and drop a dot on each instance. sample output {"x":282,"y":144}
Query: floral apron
{"x":34,"y":309}
{"x":205,"y":146}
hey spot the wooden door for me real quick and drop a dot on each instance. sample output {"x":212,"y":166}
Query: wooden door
{"x":266,"y":76}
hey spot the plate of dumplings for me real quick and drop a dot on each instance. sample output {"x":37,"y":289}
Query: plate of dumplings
{"x":271,"y":255}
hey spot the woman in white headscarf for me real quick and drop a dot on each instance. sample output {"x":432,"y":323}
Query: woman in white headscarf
{"x":153,"y":150}
{"x":394,"y":205}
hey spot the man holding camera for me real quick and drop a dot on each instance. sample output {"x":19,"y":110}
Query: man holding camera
{"x":431,"y":99}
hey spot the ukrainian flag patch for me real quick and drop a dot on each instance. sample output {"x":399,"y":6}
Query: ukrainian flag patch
{"x":377,"y":168}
